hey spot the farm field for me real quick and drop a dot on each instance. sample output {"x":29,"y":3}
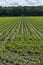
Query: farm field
{"x":21,"y":40}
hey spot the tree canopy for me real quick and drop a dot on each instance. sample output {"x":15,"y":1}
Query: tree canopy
{"x":21,"y":11}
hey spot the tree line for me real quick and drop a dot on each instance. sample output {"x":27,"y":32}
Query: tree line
{"x":21,"y":11}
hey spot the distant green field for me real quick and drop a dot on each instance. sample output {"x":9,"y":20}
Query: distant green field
{"x":21,"y":40}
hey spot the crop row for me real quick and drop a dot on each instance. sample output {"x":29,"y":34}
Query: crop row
{"x":21,"y":42}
